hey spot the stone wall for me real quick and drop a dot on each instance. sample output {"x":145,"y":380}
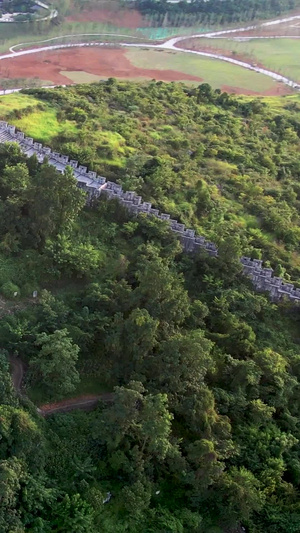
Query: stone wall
{"x":94,"y":185}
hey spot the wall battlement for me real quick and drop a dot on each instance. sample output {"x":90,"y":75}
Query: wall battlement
{"x":94,"y":185}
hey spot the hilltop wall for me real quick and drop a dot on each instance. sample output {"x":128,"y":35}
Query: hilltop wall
{"x":94,"y":185}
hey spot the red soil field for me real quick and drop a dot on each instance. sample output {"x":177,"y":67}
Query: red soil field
{"x":118,"y":17}
{"x":103,"y":62}
{"x":277,"y":90}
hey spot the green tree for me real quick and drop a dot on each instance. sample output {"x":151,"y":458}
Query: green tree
{"x":72,"y":514}
{"x":160,"y":291}
{"x":14,"y":181}
{"x":55,"y":203}
{"x":138,"y":425}
{"x":55,"y":363}
{"x":129,"y":341}
{"x":7,"y":393}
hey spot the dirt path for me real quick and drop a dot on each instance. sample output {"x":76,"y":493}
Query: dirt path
{"x":17,"y":372}
{"x":85,"y":402}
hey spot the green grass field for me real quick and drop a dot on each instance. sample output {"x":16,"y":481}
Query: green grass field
{"x":15,"y":35}
{"x":43,"y":125}
{"x":281,"y":55}
{"x":216,"y":73}
{"x":40,"y":124}
{"x":80,"y":76}
{"x":15,"y":101}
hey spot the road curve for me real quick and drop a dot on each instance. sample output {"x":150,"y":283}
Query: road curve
{"x":171,"y":45}
{"x":274,"y":75}
{"x":12,"y":48}
{"x":53,"y":13}
{"x":165,"y":46}
{"x":64,"y":406}
{"x":175,"y":40}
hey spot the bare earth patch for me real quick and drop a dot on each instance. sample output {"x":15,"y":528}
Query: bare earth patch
{"x":84,"y":402}
{"x":101,"y":62}
{"x":277,"y":90}
{"x":123,"y":18}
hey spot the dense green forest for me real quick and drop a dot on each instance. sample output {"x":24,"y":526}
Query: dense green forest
{"x":213,"y":11}
{"x":202,"y":432}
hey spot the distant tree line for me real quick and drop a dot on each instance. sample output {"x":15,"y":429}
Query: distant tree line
{"x":214,"y":12}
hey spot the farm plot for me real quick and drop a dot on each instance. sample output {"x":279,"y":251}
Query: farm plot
{"x":59,"y":66}
{"x":217,"y":73}
{"x":279,"y":55}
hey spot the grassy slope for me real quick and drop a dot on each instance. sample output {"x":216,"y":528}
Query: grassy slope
{"x":79,"y":76}
{"x":216,"y":73}
{"x":112,"y":149}
{"x":281,"y":55}
{"x":42,"y":124}
{"x":15,"y":101}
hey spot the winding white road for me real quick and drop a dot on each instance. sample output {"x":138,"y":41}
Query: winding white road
{"x":175,"y":40}
{"x":12,"y":48}
{"x":170,"y":44}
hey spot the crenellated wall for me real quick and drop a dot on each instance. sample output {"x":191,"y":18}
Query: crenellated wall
{"x":94,"y":185}
{"x":263,"y":280}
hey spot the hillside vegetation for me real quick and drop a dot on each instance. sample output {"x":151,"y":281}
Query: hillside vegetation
{"x":222,"y":165}
{"x":202,"y":433}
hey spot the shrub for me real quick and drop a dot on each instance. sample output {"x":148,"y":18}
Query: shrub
{"x":8,"y":289}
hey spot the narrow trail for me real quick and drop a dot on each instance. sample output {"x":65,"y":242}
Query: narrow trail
{"x":17,"y":372}
{"x":170,"y":44}
{"x":12,"y":48}
{"x":84,"y":402}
